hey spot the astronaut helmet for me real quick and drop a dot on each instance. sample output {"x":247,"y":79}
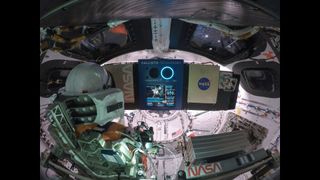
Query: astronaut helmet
{"x":87,"y":78}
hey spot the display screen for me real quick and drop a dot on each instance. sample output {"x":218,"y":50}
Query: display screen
{"x":161,"y":84}
{"x":160,"y":96}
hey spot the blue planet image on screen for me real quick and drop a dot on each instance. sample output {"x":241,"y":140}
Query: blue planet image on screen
{"x":204,"y":83}
{"x":167,"y":73}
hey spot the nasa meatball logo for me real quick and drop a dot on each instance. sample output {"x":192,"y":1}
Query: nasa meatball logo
{"x":204,"y":83}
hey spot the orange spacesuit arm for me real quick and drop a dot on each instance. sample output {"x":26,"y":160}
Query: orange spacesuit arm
{"x":110,"y":134}
{"x":81,"y":128}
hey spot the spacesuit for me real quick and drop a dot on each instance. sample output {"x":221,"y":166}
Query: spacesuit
{"x":104,"y":105}
{"x":86,"y":122}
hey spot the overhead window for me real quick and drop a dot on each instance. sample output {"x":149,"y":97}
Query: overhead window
{"x":86,"y":42}
{"x":260,"y":79}
{"x":214,"y":41}
{"x":107,"y":40}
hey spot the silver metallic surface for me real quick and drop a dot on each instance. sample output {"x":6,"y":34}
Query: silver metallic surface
{"x":229,"y":12}
{"x":213,"y":146}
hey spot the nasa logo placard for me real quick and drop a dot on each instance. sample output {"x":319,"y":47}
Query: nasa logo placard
{"x":204,"y":83}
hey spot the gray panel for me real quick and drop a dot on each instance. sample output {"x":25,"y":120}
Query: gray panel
{"x":229,"y":168}
{"x":213,"y":146}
